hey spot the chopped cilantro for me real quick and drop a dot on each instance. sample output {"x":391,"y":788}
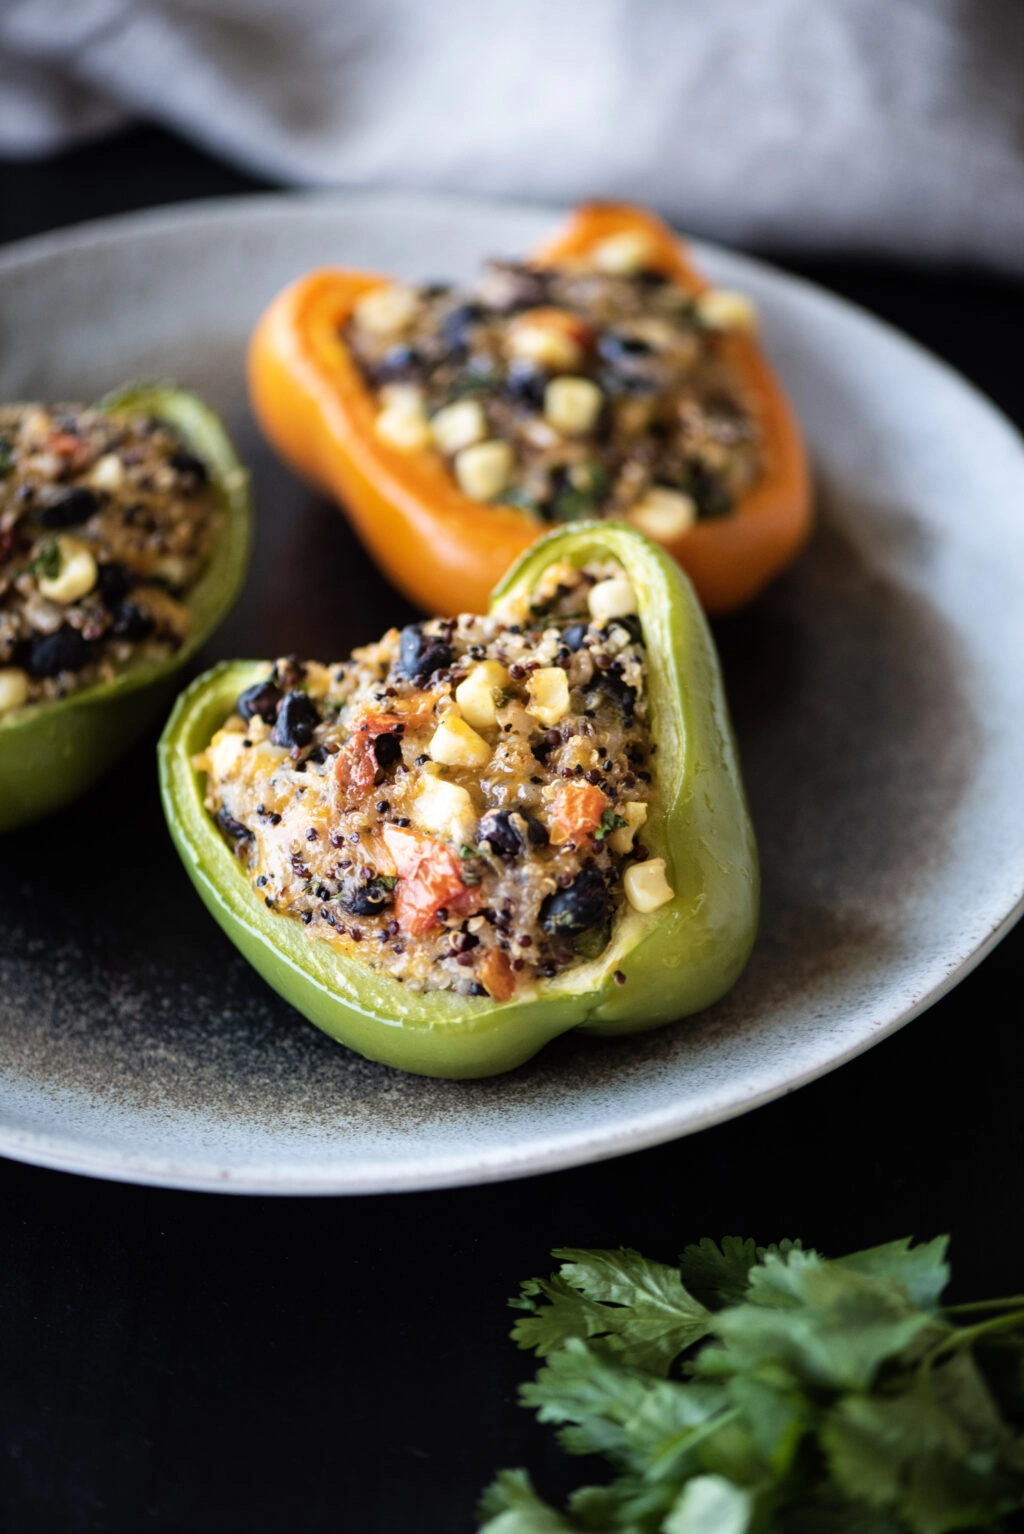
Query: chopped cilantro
{"x":514,"y":496}
{"x":47,"y":560}
{"x":608,"y":823}
{"x":771,"y":1389}
{"x":6,"y":458}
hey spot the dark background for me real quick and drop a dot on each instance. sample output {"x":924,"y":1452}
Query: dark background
{"x":187,"y":1362}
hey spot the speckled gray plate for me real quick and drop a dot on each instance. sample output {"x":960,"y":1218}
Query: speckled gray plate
{"x":878,"y":694}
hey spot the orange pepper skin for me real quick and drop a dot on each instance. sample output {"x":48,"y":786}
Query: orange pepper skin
{"x":442,"y":549}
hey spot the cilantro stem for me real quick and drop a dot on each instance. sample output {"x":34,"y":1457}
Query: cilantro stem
{"x":1009,"y":1303}
{"x":688,"y":1437}
{"x":966,"y":1336}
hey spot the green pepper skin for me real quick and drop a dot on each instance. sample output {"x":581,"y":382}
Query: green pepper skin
{"x":675,"y":960}
{"x":51,"y":753}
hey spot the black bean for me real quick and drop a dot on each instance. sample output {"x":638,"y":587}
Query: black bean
{"x":113,"y":582}
{"x":69,"y":510}
{"x":542,"y":745}
{"x":526,"y":382}
{"x":297,"y":718}
{"x":634,"y":628}
{"x":369,"y":900}
{"x":130,"y":622}
{"x":619,"y":692}
{"x":65,"y":650}
{"x":420,"y":654}
{"x":388,"y":750}
{"x":507,"y":833}
{"x":399,"y":362}
{"x":456,"y":327}
{"x":232,"y":827}
{"x":288,"y":672}
{"x":582,"y":905}
{"x":190,"y":469}
{"x":574,"y":635}
{"x":617,"y":349}
{"x":261,"y":698}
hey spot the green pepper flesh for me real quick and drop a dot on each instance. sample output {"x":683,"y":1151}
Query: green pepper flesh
{"x":53,"y":752}
{"x":675,"y":961}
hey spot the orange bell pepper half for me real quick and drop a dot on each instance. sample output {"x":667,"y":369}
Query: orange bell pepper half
{"x":441,"y":548}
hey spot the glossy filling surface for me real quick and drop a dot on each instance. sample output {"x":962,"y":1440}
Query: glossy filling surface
{"x":571,"y":392}
{"x":105,"y":524}
{"x":460,"y":806}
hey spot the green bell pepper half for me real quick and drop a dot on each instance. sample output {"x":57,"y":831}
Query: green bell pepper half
{"x":50,"y":753}
{"x":676,"y":960}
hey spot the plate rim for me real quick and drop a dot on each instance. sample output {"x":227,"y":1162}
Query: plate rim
{"x":544,"y":1153}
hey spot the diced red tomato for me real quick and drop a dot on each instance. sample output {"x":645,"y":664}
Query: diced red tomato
{"x":355,"y":765}
{"x":72,"y":449}
{"x":429,"y":880}
{"x":577,"y":812}
{"x":497,"y":975}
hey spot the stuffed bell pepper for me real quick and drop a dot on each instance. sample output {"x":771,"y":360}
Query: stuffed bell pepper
{"x":481,"y":831}
{"x":124,"y":534}
{"x":603,"y":378}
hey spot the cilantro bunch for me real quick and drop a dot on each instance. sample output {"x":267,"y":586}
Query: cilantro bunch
{"x":770,"y":1390}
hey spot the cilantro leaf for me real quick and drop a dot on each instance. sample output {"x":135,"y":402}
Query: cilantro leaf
{"x":47,"y":560}
{"x":719,"y":1274}
{"x":710,"y":1505}
{"x":922,"y":1270}
{"x":826,"y":1325}
{"x":638,"y":1308}
{"x":511,"y":1506}
{"x":818,"y":1396}
{"x":608,"y":823}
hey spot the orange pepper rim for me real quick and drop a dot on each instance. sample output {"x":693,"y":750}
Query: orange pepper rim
{"x":445,"y":550}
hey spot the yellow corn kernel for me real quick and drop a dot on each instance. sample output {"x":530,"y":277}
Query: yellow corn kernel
{"x":13,"y":688}
{"x":444,"y":809}
{"x":722,"y":309}
{"x":107,"y":473}
{"x":549,"y":695}
{"x":477,"y":694}
{"x":664,"y":514}
{"x":547,"y":337}
{"x":635,"y":815}
{"x":76,"y":575}
{"x":459,"y":425}
{"x":484,"y":469}
{"x":572,"y":405}
{"x":317,"y":681}
{"x":387,"y":310}
{"x":223,"y":752}
{"x":402,"y":427}
{"x":613,"y":598}
{"x":646,"y":886}
{"x":456,"y":744}
{"x":622,"y":255}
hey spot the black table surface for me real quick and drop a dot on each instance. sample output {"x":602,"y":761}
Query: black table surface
{"x":176,"y":1361}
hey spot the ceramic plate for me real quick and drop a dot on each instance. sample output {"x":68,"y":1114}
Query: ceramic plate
{"x":877,"y":691}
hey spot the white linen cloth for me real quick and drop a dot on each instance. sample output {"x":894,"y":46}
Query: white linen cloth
{"x":888,"y":126}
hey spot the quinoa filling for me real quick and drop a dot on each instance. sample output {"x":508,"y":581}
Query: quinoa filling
{"x":570,"y":392}
{"x":104,"y":526}
{"x":461,"y":805}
